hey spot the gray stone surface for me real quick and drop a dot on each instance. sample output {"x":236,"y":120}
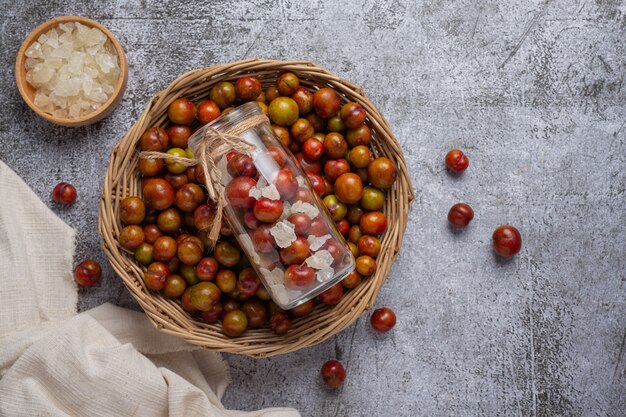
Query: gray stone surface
{"x":532,"y":90}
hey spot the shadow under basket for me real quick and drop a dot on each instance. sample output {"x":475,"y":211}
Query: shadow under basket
{"x":123,"y":179}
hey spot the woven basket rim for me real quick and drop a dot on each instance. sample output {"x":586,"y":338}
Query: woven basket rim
{"x":121,"y":180}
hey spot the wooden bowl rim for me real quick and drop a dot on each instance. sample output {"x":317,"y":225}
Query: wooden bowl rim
{"x":102,"y":111}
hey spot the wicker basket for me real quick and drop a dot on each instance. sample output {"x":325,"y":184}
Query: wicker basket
{"x":122,"y":180}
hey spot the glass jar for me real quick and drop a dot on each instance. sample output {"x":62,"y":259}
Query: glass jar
{"x":276,"y":216}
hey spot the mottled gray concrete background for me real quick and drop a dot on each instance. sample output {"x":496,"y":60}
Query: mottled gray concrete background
{"x":532,"y":90}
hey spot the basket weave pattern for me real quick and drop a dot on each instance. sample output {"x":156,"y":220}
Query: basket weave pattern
{"x":123,"y":179}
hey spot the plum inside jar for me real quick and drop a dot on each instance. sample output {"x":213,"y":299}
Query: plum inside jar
{"x":276,"y":216}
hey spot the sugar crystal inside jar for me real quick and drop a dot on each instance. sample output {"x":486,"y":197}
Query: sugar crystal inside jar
{"x":74,"y":69}
{"x":291,"y":260}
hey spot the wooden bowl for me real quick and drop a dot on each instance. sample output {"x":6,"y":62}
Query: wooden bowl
{"x":28,"y":91}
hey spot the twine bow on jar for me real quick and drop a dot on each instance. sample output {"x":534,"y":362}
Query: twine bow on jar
{"x":208,"y":147}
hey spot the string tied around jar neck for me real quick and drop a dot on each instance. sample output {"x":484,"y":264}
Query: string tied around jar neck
{"x":207,"y":150}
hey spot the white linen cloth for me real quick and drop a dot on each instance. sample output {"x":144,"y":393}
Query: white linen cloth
{"x":107,"y":361}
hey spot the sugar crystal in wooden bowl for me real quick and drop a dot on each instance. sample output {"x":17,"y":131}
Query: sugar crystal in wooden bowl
{"x":71,"y":71}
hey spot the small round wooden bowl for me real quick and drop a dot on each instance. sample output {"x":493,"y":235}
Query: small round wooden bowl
{"x":28,"y":91}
